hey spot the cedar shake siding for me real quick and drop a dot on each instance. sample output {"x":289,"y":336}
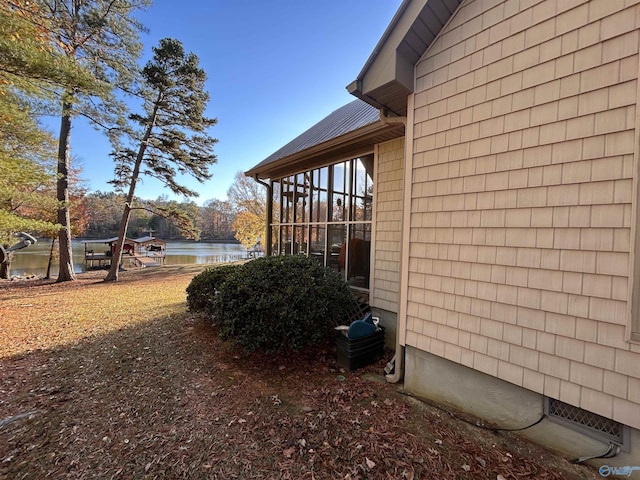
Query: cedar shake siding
{"x":388,"y":219}
{"x":524,"y":157}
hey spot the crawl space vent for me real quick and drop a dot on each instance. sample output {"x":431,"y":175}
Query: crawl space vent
{"x":587,"y":423}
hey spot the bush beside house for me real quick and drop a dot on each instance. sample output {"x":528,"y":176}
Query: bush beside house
{"x":272,"y":304}
{"x":201,"y":291}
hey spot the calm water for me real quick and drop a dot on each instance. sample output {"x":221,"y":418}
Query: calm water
{"x":33,"y":260}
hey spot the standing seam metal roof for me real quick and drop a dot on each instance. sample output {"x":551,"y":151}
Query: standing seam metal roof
{"x":352,"y":116}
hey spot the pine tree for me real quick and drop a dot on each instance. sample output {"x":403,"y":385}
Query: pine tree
{"x":170,"y":137}
{"x":30,"y":71}
{"x":101,"y":36}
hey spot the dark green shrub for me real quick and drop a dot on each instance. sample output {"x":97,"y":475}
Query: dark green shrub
{"x":202,"y":289}
{"x":281,"y":303}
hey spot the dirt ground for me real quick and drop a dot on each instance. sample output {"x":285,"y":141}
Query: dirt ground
{"x":120,"y":381}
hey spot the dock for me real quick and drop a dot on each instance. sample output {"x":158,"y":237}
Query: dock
{"x":145,"y":261}
{"x":137,"y":252}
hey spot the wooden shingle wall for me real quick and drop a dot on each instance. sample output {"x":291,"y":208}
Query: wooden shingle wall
{"x":389,"y":167}
{"x":524,"y":139}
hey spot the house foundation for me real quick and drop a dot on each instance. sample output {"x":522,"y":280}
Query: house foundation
{"x":389,"y":320}
{"x":506,"y":405}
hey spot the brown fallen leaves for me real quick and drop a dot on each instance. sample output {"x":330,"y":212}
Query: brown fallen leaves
{"x":120,"y":381}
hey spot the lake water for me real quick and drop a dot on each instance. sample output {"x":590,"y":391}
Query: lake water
{"x":33,"y":259}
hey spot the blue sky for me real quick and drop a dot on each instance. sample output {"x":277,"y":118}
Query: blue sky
{"x":275,"y":68}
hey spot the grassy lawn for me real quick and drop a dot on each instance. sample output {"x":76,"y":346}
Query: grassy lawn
{"x":119,"y":380}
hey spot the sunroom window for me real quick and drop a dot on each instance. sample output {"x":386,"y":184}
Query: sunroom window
{"x":326,"y":213}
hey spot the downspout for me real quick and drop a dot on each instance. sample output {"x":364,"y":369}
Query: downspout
{"x":397,"y":362}
{"x":267,"y":239}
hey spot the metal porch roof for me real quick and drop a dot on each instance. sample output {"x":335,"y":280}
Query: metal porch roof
{"x":352,"y":128}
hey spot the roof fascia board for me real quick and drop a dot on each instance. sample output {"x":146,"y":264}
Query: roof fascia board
{"x":324,"y":148}
{"x":388,"y":74}
{"x":385,"y":65}
{"x":316,"y":162}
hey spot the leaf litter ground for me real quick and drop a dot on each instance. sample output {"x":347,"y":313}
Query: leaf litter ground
{"x":119,"y":381}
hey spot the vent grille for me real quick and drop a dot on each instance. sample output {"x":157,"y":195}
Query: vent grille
{"x":591,"y":424}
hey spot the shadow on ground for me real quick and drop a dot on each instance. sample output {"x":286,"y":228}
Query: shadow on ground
{"x":166,"y":399}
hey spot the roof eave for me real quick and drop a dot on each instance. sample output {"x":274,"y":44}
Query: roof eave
{"x":353,"y":143}
{"x":391,"y":96}
{"x":387,"y":77}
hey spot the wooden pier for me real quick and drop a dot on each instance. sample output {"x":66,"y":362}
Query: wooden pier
{"x":137,"y":252}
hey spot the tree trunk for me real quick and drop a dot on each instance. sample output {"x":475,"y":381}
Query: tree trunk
{"x":53,"y":244}
{"x":116,"y":255}
{"x":116,"y":258}
{"x":66,"y":272}
{"x":5,"y":267}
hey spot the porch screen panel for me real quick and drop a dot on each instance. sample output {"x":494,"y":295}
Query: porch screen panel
{"x":286,"y":240}
{"x":362,"y":190}
{"x":319,"y":186}
{"x":288,"y":191}
{"x":339,"y":194}
{"x":337,"y":245}
{"x":275,"y":240}
{"x":276,"y":208}
{"x":276,"y":201}
{"x":359,"y":255}
{"x":302,"y":202}
{"x":301,"y":242}
{"x":317,"y":242}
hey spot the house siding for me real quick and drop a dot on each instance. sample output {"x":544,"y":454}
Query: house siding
{"x":388,"y":219}
{"x":522,"y":168}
